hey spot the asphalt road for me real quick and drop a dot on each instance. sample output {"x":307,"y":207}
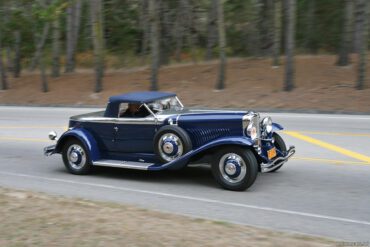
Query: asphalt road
{"x":324,"y":190}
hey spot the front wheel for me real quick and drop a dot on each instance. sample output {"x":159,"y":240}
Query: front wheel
{"x":235,"y":168}
{"x":75,"y":157}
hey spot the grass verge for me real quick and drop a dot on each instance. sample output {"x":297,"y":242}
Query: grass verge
{"x":36,"y":219}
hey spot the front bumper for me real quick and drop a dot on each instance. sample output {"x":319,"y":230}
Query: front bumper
{"x":49,"y":150}
{"x":279,"y":161}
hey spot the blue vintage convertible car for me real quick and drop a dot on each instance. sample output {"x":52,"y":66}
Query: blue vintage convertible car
{"x":154,"y":131}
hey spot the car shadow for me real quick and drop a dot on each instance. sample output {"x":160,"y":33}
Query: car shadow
{"x":192,"y":175}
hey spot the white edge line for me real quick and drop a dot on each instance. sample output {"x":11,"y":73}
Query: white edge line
{"x":199,"y":199}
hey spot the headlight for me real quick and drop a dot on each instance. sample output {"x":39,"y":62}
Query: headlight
{"x":267,"y":124}
{"x":252,"y":131}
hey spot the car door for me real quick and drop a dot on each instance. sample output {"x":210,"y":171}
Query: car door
{"x":134,"y":135}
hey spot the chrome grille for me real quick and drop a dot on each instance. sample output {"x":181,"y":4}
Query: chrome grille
{"x":256,"y":120}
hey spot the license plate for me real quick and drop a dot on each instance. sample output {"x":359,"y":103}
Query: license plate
{"x":271,"y":153}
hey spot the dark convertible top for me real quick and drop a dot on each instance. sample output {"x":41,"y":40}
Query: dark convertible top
{"x":140,"y":97}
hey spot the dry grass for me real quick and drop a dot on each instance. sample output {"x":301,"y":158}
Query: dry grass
{"x":35,"y":219}
{"x":251,"y":83}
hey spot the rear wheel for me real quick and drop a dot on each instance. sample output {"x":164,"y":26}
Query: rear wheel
{"x":280,"y":145}
{"x":75,"y":157}
{"x":235,"y":168}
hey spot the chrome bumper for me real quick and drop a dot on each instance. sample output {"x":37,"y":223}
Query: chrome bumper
{"x":49,"y":150}
{"x":275,"y":163}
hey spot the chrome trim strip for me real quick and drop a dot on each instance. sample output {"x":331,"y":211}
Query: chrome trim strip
{"x":123,"y":164}
{"x":145,"y":120}
{"x":272,"y":165}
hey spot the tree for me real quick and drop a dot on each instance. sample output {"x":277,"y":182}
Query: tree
{"x":17,"y":53}
{"x":289,"y":7}
{"x":154,"y":43}
{"x":222,"y":44}
{"x":40,"y":45}
{"x":179,"y":32}
{"x":44,"y":79}
{"x":277,"y":33}
{"x":3,"y":76}
{"x":96,"y":14}
{"x":345,"y":44}
{"x":56,"y":48}
{"x":310,"y":40}
{"x":362,"y":42}
{"x":73,"y":27}
{"x":145,"y":27}
{"x":211,"y":29}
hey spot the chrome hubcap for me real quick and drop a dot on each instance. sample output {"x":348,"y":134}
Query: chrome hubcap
{"x":170,"y":147}
{"x":76,"y":156}
{"x":73,"y":157}
{"x":232,"y":167}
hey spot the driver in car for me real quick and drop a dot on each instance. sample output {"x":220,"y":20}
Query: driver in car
{"x":135,"y":110}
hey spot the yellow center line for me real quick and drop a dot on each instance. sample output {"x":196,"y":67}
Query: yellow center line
{"x":329,"y":146}
{"x":332,"y":133}
{"x":337,"y":162}
{"x":23,"y":139}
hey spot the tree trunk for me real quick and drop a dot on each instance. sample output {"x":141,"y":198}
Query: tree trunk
{"x":40,"y":46}
{"x":44,"y":79}
{"x":190,"y":28}
{"x":345,"y":45}
{"x":211,"y":29}
{"x":98,"y":41}
{"x":222,"y":43}
{"x":290,"y":13}
{"x":154,"y":42}
{"x":17,"y":53}
{"x":73,"y":26}
{"x":179,"y":32}
{"x":310,"y":41}
{"x":362,"y":43}
{"x":145,"y":28}
{"x":3,"y":76}
{"x":76,"y":31}
{"x":165,"y":30}
{"x":254,"y":33}
{"x":56,"y":48}
{"x":277,"y":33}
{"x":9,"y":60}
{"x":357,"y":25}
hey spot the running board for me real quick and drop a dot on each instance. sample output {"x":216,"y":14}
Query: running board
{"x":123,"y":164}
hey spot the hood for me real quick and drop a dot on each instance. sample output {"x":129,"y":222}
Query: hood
{"x":204,"y":125}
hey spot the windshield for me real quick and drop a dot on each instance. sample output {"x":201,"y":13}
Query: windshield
{"x":168,"y":104}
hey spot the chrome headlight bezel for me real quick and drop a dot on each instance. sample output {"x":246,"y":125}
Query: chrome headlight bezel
{"x":252,"y":131}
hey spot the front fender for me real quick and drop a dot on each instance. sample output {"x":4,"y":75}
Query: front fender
{"x":83,"y":136}
{"x":183,"y":160}
{"x":276,"y":127}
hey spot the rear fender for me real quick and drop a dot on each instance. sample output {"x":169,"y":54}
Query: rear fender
{"x":83,"y":136}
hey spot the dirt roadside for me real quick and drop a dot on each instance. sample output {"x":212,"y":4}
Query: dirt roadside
{"x":251,"y":84}
{"x":36,"y":219}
